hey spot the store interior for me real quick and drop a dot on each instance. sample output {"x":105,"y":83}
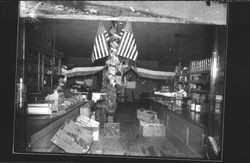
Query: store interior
{"x":54,"y":51}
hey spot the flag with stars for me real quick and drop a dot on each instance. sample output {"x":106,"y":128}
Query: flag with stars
{"x":100,"y":44}
{"x":127,"y":47}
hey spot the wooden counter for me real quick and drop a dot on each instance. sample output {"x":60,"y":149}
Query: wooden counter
{"x":40,"y":129}
{"x":181,"y":123}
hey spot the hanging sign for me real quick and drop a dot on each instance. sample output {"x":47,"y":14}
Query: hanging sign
{"x":131,"y":84}
{"x":118,"y":80}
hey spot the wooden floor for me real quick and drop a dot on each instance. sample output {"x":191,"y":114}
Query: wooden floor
{"x":132,"y":143}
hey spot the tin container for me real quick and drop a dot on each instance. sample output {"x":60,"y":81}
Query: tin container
{"x":197,"y":107}
{"x":193,"y":106}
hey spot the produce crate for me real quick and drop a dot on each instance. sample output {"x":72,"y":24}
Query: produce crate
{"x":152,"y":129}
{"x":147,"y":116}
{"x":111,"y":130}
{"x":73,"y":138}
{"x":86,"y":122}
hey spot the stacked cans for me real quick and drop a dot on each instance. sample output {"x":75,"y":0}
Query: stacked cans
{"x":201,"y":65}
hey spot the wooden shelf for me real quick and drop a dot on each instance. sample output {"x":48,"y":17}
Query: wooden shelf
{"x":198,"y":82}
{"x":200,"y":72}
{"x":186,"y":82}
{"x":199,"y":91}
{"x":181,"y":74}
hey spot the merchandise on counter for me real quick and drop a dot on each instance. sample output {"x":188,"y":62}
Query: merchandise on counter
{"x":39,"y":109}
{"x":152,"y":129}
{"x":39,"y":105}
{"x":147,"y":115}
{"x":72,"y":100}
{"x":85,"y":111}
{"x":97,"y":96}
{"x":53,"y":98}
{"x":167,"y":94}
{"x":111,"y":130}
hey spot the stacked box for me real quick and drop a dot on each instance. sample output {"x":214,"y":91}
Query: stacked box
{"x":73,"y":138}
{"x":152,"y":129}
{"x":86,"y":122}
{"x":147,"y":116}
{"x":111,"y":130}
{"x":85,"y":111}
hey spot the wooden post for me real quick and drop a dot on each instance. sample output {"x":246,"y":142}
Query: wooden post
{"x":53,"y":57}
{"x":38,"y":71}
{"x":20,"y":134}
{"x":51,"y":79}
{"x":59,"y":66}
{"x":187,"y":136}
{"x":42,"y":71}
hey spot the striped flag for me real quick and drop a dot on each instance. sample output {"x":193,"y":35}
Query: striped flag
{"x":100,"y":45}
{"x":127,"y":47}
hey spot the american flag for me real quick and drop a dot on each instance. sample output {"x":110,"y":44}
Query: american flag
{"x":127,"y":47}
{"x":100,"y":45}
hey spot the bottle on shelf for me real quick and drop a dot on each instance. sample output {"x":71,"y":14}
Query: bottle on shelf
{"x":193,"y":105}
{"x":198,"y":107}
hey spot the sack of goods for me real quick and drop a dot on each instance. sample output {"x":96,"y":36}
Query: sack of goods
{"x":73,"y":138}
{"x":147,"y":116}
{"x":152,"y":129}
{"x":86,"y":122}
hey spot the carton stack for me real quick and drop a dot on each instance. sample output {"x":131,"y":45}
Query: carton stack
{"x":150,"y":125}
{"x":73,"y":138}
{"x":87,"y":122}
{"x":111,"y":130}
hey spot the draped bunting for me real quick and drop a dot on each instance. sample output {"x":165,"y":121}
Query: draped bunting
{"x":81,"y":71}
{"x":151,"y":74}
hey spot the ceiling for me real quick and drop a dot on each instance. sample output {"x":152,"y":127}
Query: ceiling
{"x":166,"y":42}
{"x":155,"y":41}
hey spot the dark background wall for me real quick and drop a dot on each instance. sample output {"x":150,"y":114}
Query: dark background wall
{"x":155,"y":41}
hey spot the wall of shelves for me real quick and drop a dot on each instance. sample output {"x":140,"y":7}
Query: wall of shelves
{"x":42,"y":61}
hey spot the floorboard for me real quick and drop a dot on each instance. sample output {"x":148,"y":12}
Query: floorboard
{"x":132,"y":143}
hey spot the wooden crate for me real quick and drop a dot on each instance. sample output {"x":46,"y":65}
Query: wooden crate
{"x":147,"y":115}
{"x":66,"y":142}
{"x":73,"y":138}
{"x":86,"y":122}
{"x":152,"y":129}
{"x":111,"y":130}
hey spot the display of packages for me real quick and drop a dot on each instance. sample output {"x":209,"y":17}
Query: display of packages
{"x":152,"y":129}
{"x":147,"y":116}
{"x":201,"y":65}
{"x":73,"y":138}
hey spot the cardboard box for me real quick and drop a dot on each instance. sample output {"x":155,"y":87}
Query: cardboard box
{"x":152,"y":129}
{"x":86,"y":122}
{"x":73,"y":138}
{"x":85,"y":111}
{"x":111,"y":130}
{"x":147,"y":115}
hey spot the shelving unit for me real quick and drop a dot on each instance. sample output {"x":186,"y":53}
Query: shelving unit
{"x":199,"y":81}
{"x":182,"y":76}
{"x":42,"y":62}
